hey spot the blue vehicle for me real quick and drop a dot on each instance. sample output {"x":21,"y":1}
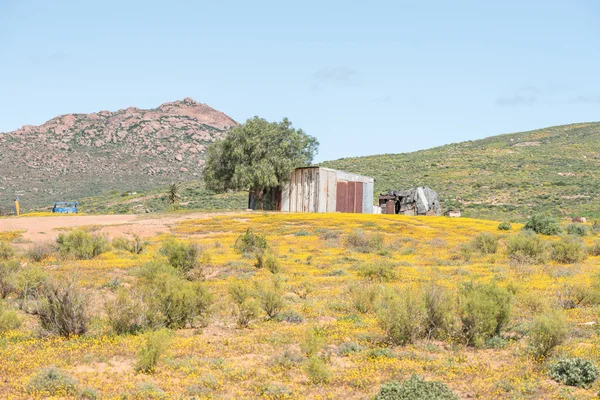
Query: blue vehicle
{"x":66,"y":207}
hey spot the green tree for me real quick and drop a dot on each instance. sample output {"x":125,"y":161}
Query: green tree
{"x":258,"y":156}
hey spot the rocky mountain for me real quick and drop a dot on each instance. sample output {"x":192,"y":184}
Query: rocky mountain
{"x":79,"y":155}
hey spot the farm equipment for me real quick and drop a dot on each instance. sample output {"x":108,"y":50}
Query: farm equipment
{"x":66,"y":207}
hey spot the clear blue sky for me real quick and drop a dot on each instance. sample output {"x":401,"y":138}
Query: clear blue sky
{"x":363,"y":77}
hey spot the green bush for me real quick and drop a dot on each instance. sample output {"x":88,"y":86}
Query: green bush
{"x":504,"y":226}
{"x":81,"y":245}
{"x":182,"y":256}
{"x":569,"y":250}
{"x":288,"y":359}
{"x":155,"y":346}
{"x":149,"y":391}
{"x":266,"y":259}
{"x":88,"y":393}
{"x":270,"y":299}
{"x":127,"y":313}
{"x":6,"y":251}
{"x":377,"y":271}
{"x":576,"y":229}
{"x":313,"y":341}
{"x":439,"y":311}
{"x":594,"y":249}
{"x":379,"y":352}
{"x":348,"y":348}
{"x":29,"y":283}
{"x":363,"y":242}
{"x":400,"y":315}
{"x":52,"y":381}
{"x":547,"y":331}
{"x":8,"y":276}
{"x":526,"y":248}
{"x":485,"y":243}
{"x":246,"y":306}
{"x":9,"y":319}
{"x":543,"y":225}
{"x":250,"y":241}
{"x":317,"y":371}
{"x":574,"y":372}
{"x":483,"y":311}
{"x":290,"y":316}
{"x":63,"y":308}
{"x":363,"y":297}
{"x":415,"y":388}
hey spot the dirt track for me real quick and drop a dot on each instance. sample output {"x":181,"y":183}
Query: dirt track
{"x":47,"y":228}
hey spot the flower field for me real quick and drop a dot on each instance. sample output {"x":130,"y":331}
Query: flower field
{"x":326,"y":337}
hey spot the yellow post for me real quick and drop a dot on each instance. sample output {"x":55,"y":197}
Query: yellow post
{"x":17,"y":207}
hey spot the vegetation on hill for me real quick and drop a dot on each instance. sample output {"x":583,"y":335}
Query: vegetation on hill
{"x":507,"y":177}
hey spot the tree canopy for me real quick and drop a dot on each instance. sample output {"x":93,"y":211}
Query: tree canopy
{"x":258,"y":155}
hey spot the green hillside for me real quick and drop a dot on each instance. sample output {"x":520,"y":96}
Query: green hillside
{"x":510,"y":176}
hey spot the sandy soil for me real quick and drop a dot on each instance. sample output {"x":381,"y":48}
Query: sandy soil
{"x":47,"y":228}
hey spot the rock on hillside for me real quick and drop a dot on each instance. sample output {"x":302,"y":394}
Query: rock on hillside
{"x":78,"y":155}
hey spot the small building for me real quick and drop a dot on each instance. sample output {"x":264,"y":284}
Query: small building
{"x":453,"y":213}
{"x":318,"y":189}
{"x":415,"y":201}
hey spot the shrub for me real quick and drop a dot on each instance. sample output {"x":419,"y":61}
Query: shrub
{"x":250,"y":241}
{"x":380,"y":352}
{"x":363,"y":242}
{"x":348,"y":348}
{"x":40,"y":251}
{"x":574,"y":372}
{"x":52,"y":381}
{"x":8,"y":275}
{"x":317,"y":371}
{"x":302,"y":290}
{"x":81,"y":245}
{"x":415,"y":388}
{"x":155,"y":345}
{"x":594,"y":249}
{"x":266,"y":259}
{"x":576,"y":229}
{"x":148,"y":390}
{"x":63,"y":309}
{"x":127,"y":313}
{"x":88,"y":393}
{"x":6,"y":251}
{"x":270,"y":299}
{"x":290,"y":316}
{"x":485,"y":243}
{"x":363,"y":297}
{"x":526,"y":248}
{"x":547,"y":331}
{"x":401,"y":317}
{"x":29,"y":283}
{"x":313,"y":341}
{"x":9,"y":319}
{"x":543,"y":224}
{"x":183,"y":256}
{"x":120,"y":243}
{"x":377,"y":271}
{"x":569,"y":250}
{"x":246,"y":306}
{"x":439,"y":311}
{"x":504,"y":226}
{"x":483,"y":311}
{"x":288,"y":359}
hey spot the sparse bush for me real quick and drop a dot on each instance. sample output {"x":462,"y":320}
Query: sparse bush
{"x":379,"y":352}
{"x":266,"y":259}
{"x":547,"y":331}
{"x":569,"y":250}
{"x":313,"y":341}
{"x":543,"y":225}
{"x":8,"y":276}
{"x":504,"y":226}
{"x":136,"y":246}
{"x":377,"y":271}
{"x":29,"y":283}
{"x":594,"y":249}
{"x":576,"y":229}
{"x":288,"y":359}
{"x":250,"y":241}
{"x":40,"y":251}
{"x":401,"y":316}
{"x":439,"y":311}
{"x":466,"y":252}
{"x":155,"y":345}
{"x":52,"y":381}
{"x":270,"y":299}
{"x":317,"y":371}
{"x":574,"y":372}
{"x":483,"y":311}
{"x":571,"y":296}
{"x":363,"y":297}
{"x":246,"y":306}
{"x":290,"y":316}
{"x":9,"y":319}
{"x":526,"y":248}
{"x":303,"y":289}
{"x":63,"y":309}
{"x":127,"y":313}
{"x":302,"y":233}
{"x":120,"y":243}
{"x":348,"y":348}
{"x":183,"y":256}
{"x":88,"y":393}
{"x":328,"y":234}
{"x":6,"y":251}
{"x":485,"y":243}
{"x":415,"y":388}
{"x":81,"y":245}
{"x":365,"y":243}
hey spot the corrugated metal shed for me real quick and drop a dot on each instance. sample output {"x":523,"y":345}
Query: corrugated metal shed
{"x":317,"y":189}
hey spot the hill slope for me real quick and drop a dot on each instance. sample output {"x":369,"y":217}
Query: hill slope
{"x":510,"y":176}
{"x":78,"y":155}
